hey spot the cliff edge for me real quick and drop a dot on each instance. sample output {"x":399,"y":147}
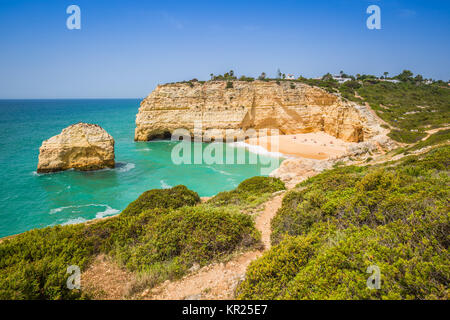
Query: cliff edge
{"x":290,"y":107}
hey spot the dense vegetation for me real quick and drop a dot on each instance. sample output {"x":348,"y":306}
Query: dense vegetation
{"x":439,"y":137}
{"x":172,"y":198}
{"x":249,"y":194}
{"x":337,"y":224}
{"x":160,"y":236}
{"x":408,"y":107}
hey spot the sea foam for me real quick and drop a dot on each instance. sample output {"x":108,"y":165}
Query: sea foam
{"x":164,"y":185}
{"x":125,"y":168}
{"x":257,"y":149}
{"x":107,"y":212}
{"x":219,"y":171}
{"x":74,"y":221}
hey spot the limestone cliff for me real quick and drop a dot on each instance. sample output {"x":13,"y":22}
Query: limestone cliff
{"x":80,"y":146}
{"x":290,"y":107}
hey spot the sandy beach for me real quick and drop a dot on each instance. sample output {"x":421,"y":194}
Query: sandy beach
{"x":314,"y":145}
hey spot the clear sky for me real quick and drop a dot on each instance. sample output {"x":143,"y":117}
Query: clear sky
{"x":125,"y":48}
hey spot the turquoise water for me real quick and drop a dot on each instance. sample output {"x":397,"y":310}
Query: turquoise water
{"x":29,"y":200}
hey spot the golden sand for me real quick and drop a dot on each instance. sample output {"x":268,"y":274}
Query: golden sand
{"x":314,"y":145}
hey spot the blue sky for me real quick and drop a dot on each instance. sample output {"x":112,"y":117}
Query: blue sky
{"x":125,"y":48}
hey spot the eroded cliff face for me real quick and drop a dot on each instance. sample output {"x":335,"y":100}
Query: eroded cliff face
{"x":81,"y":146}
{"x":289,"y":107}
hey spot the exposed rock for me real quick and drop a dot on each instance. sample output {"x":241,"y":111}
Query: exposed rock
{"x":81,"y":146}
{"x":251,"y":105}
{"x":295,"y":170}
{"x":362,"y":148}
{"x":195,"y":267}
{"x":263,"y":105}
{"x":292,"y":171}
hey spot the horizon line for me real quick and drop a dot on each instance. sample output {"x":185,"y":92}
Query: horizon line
{"x":4,"y":99}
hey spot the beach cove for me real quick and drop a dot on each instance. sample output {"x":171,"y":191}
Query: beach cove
{"x":30,"y":200}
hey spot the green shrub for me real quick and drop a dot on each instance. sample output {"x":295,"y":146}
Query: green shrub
{"x":249,"y":193}
{"x":33,"y":265}
{"x":261,"y":185}
{"x":329,"y":84}
{"x":225,"y":198}
{"x":152,"y":238}
{"x":411,"y":267}
{"x":408,"y":106}
{"x":248,"y":79}
{"x":434,"y":139}
{"x":406,"y":136}
{"x":172,"y":198}
{"x":266,"y":277}
{"x":186,"y":236}
{"x":338,"y":223}
{"x":353,"y":84}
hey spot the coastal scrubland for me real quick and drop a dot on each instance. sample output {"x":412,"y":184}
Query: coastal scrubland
{"x":249,"y":194}
{"x":158,"y":236}
{"x":409,"y":107}
{"x":392,"y":214}
{"x":335,"y":225}
{"x":329,"y":230}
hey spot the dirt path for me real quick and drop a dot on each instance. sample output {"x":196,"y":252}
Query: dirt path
{"x":105,"y":279}
{"x":433,"y":131}
{"x":218,"y":281}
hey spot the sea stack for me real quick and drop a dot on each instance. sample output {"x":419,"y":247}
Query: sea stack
{"x":81,"y":146}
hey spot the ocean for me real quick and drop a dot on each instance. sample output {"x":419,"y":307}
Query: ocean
{"x":29,"y":200}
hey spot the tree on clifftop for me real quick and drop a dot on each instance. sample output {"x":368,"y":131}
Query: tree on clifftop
{"x":279,"y":74}
{"x":405,"y":76}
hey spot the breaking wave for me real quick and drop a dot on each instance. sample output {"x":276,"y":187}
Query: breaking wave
{"x":257,"y":149}
{"x":74,"y":221}
{"x":220,"y":171}
{"x":124,"y":167}
{"x":107,"y":212}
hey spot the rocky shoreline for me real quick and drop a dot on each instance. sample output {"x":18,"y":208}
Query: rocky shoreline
{"x":81,"y":146}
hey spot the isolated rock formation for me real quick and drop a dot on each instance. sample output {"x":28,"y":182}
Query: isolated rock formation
{"x":290,"y":107}
{"x":81,"y":146}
